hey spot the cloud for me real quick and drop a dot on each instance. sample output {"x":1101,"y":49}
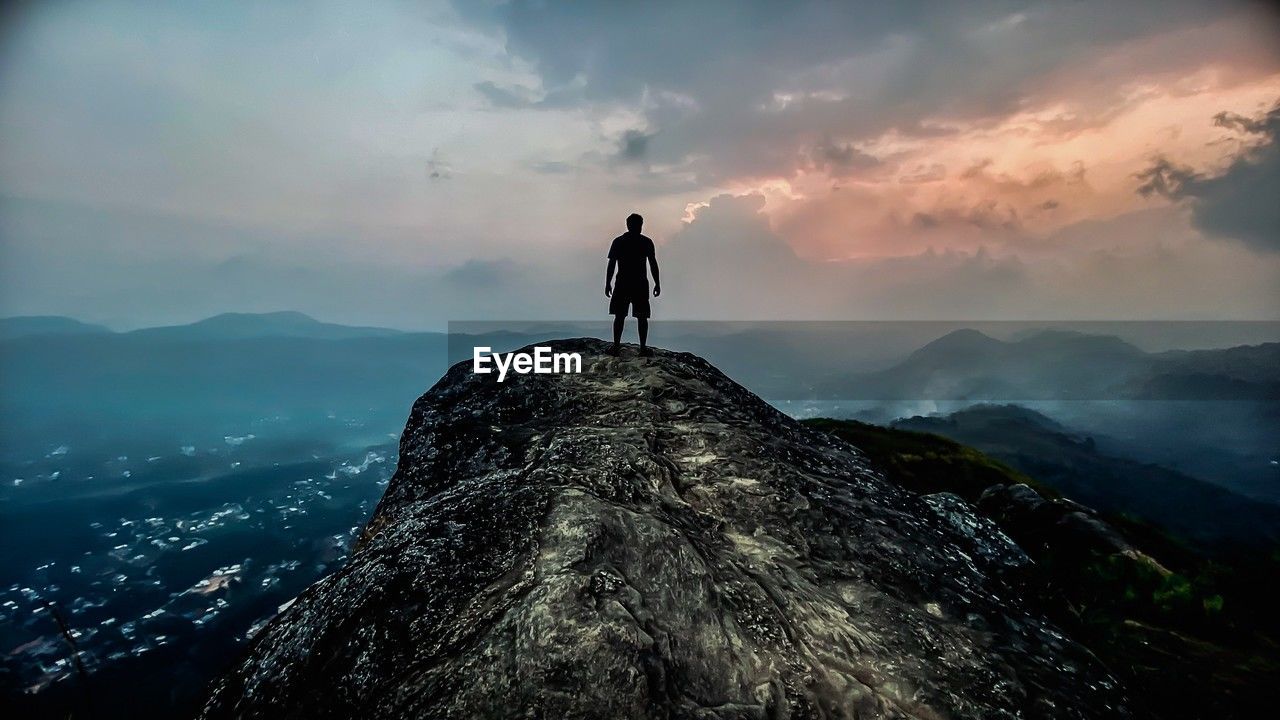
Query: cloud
{"x":1239,"y":201}
{"x":519,"y":97}
{"x":730,"y":262}
{"x":988,"y":215}
{"x":633,"y":146}
{"x":486,"y":274}
{"x":839,"y":159}
{"x":552,"y":167}
{"x":925,"y":173}
{"x":854,"y":159}
{"x":505,"y":97}
{"x":437,"y":167}
{"x":934,"y":124}
{"x":757,"y":89}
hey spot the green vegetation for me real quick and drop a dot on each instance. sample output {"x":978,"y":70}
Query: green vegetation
{"x":1191,"y":636}
{"x":1186,"y":507}
{"x":927,"y":463}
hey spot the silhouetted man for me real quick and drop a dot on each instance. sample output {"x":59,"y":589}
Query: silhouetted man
{"x":629,"y":254}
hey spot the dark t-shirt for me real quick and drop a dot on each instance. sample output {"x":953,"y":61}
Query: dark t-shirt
{"x":632,"y":251}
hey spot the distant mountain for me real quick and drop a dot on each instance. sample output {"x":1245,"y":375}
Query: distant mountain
{"x":227,"y":326}
{"x":1072,"y":464}
{"x":15,"y":327}
{"x":240,"y":326}
{"x":219,"y":376}
{"x":966,"y":365}
{"x":1213,"y":374}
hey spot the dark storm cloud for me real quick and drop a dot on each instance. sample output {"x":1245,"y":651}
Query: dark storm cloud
{"x":622,"y":48}
{"x":987,"y":215}
{"x":839,"y":158}
{"x":1239,"y":202}
{"x":633,"y":146}
{"x":770,"y":80}
{"x":1165,"y":178}
{"x":1267,"y":124}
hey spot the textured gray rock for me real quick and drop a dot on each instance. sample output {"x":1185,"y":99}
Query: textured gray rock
{"x":1058,"y":522}
{"x":648,"y":539}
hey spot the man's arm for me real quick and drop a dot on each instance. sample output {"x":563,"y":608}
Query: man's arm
{"x":653,"y":268}
{"x":608,"y":277}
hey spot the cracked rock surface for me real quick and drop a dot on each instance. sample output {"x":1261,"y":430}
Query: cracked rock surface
{"x":648,"y":539}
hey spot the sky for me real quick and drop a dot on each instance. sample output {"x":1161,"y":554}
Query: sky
{"x":408,"y":164}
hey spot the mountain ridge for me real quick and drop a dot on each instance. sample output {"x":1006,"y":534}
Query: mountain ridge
{"x":36,"y":325}
{"x":284,"y":323}
{"x":649,"y":539}
{"x":1190,"y":636}
{"x":1186,"y":506}
{"x":968,"y":365}
{"x":222,"y":326}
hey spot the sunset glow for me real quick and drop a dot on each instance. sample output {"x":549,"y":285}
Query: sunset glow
{"x":378,"y":157}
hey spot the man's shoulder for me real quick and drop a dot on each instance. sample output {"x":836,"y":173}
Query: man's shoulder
{"x":632,"y":240}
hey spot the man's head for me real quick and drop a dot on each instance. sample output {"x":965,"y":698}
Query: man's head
{"x":634,"y":221}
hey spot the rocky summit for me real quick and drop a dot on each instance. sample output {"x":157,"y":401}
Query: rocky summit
{"x":648,"y":539}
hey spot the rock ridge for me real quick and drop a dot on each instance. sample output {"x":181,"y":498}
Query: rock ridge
{"x":649,"y":539}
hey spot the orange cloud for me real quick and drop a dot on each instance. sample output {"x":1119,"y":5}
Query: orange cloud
{"x":1068,"y":154}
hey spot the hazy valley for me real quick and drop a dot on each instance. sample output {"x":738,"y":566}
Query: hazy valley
{"x":169,"y":489}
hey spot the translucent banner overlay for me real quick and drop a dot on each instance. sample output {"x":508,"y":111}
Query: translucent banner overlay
{"x":948,"y":361}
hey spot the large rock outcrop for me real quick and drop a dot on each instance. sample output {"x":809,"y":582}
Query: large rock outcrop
{"x":649,"y":539}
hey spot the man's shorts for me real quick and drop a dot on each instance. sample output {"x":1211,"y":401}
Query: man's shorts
{"x":638,"y":299}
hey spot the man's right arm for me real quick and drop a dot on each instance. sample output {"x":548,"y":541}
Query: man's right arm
{"x":608,"y":277}
{"x":653,"y":268}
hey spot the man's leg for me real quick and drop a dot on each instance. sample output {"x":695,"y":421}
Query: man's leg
{"x":642,"y":324}
{"x":617,"y":330}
